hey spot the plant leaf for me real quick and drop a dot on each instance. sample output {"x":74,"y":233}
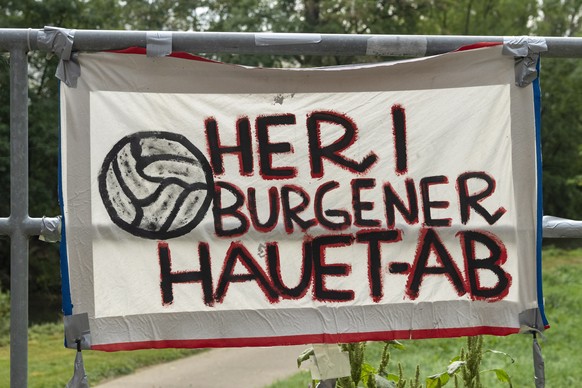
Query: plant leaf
{"x":438,"y":380}
{"x":454,"y":367}
{"x":367,"y":372}
{"x":396,"y":344}
{"x":502,"y":376}
{"x":502,"y":353}
{"x":304,"y":356}
{"x":381,"y":382}
{"x":393,"y":377}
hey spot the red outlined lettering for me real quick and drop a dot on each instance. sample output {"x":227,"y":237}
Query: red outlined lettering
{"x":321,"y":215}
{"x":359,"y":205}
{"x":497,"y":257}
{"x":321,"y":270}
{"x":429,"y":242}
{"x":471,"y":201}
{"x":238,"y":253}
{"x":291,"y":214}
{"x":232,"y":211}
{"x":332,"y":152}
{"x":374,"y":240}
{"x":243,"y":149}
{"x":168,"y":277}
{"x":393,"y":200}
{"x":266,"y":149}
{"x":427,"y":204}
{"x":399,"y":134}
{"x":273,"y":207}
{"x":274,"y":268}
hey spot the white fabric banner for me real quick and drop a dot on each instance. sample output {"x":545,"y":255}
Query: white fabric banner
{"x":211,"y":205}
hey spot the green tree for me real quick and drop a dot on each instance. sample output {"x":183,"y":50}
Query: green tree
{"x":561,"y":115}
{"x":482,"y":17}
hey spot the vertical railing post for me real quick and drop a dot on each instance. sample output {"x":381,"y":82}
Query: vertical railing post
{"x":18,"y":218}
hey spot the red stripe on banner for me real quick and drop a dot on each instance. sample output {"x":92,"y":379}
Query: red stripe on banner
{"x":478,"y":46}
{"x":309,"y":339}
{"x":143,"y":51}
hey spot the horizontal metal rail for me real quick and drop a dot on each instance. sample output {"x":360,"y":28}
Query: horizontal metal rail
{"x":283,"y":43}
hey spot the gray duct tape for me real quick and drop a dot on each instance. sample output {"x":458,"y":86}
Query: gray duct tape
{"x":77,"y":329}
{"x":158,"y":44}
{"x":539,"y":365}
{"x":279,"y":39}
{"x":60,"y":41}
{"x":531,"y":321}
{"x":326,"y":383}
{"x":556,"y":227}
{"x":526,"y":51}
{"x":69,"y":71}
{"x":521,"y":46}
{"x":56,"y":40}
{"x":397,"y":46}
{"x":79,"y":379}
{"x":50,"y":229}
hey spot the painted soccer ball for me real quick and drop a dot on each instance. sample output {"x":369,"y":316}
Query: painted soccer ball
{"x":156,"y":185}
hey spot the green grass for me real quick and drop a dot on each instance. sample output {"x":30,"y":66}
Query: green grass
{"x":299,"y":380}
{"x":51,"y":365}
{"x":562,"y":271}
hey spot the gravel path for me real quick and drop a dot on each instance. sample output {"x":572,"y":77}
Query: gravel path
{"x":218,"y":368}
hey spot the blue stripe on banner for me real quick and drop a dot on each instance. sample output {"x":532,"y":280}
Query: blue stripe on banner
{"x":540,"y":210}
{"x":65,"y":284}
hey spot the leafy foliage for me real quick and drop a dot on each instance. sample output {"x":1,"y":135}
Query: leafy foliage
{"x":363,"y":374}
{"x":4,"y":318}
